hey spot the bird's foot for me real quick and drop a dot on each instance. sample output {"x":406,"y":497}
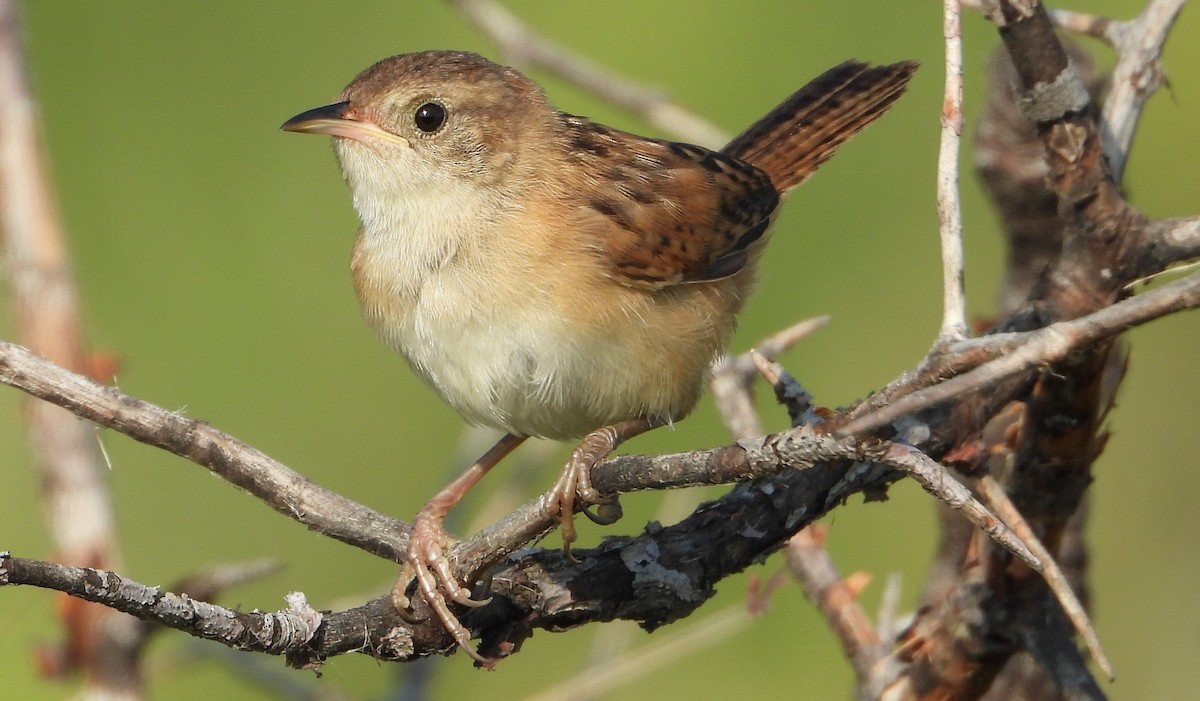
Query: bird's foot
{"x":427,"y":564}
{"x":574,"y":485}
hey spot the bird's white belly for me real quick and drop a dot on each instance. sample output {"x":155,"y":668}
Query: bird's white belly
{"x":514,"y":369}
{"x":501,"y":358}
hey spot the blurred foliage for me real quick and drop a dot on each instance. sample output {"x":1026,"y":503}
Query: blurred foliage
{"x":212,"y":254}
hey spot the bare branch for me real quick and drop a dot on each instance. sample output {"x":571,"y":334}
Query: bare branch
{"x":989,"y":611}
{"x":284,"y":490}
{"x":1019,"y":352}
{"x":289,"y":493}
{"x":274,"y":633}
{"x":1137,"y":75}
{"x":994,"y":496}
{"x":733,"y":376}
{"x":954,"y":305}
{"x":937,"y":481}
{"x":524,"y":47}
{"x":836,"y":599}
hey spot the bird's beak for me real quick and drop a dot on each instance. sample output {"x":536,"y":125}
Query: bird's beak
{"x":338,"y":120}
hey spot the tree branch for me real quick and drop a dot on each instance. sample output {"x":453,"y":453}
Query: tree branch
{"x":273,"y":633}
{"x":954,"y":302}
{"x":1001,"y":356}
{"x":283,"y":489}
{"x":522,"y":46}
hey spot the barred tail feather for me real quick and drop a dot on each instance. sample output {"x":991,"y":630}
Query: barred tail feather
{"x":795,"y":138}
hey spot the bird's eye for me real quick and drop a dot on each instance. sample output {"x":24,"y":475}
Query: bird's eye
{"x":430,"y":117}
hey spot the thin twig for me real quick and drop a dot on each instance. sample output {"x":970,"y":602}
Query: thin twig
{"x":836,"y":598}
{"x":1136,"y":76}
{"x":993,"y":495}
{"x":523,"y":46}
{"x":954,"y":306}
{"x":1014,"y":353}
{"x":283,"y":489}
{"x":730,"y":387}
{"x":732,"y":377}
{"x":934,"y":478}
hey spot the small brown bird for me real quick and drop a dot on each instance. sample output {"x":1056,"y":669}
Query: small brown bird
{"x":549,"y":276}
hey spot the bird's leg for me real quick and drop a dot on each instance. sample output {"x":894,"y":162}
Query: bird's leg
{"x":426,"y":559}
{"x":574,"y":485}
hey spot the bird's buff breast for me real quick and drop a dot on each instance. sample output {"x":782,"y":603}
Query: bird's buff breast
{"x":500,"y":349}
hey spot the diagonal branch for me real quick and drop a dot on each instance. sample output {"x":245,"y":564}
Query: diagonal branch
{"x":283,"y":489}
{"x":522,"y":46}
{"x":1001,"y":356}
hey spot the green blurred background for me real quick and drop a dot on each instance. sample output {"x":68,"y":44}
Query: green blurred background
{"x":211,"y":251}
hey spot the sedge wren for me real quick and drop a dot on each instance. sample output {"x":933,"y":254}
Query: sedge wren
{"x":550,"y":276}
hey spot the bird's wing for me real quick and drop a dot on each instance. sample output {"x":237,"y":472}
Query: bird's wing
{"x":661,"y":213}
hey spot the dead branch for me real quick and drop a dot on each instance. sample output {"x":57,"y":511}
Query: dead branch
{"x":283,"y":489}
{"x":75,"y":497}
{"x":522,"y":46}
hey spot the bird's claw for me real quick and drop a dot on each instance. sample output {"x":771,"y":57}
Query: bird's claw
{"x":427,"y":564}
{"x":574,"y":487}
